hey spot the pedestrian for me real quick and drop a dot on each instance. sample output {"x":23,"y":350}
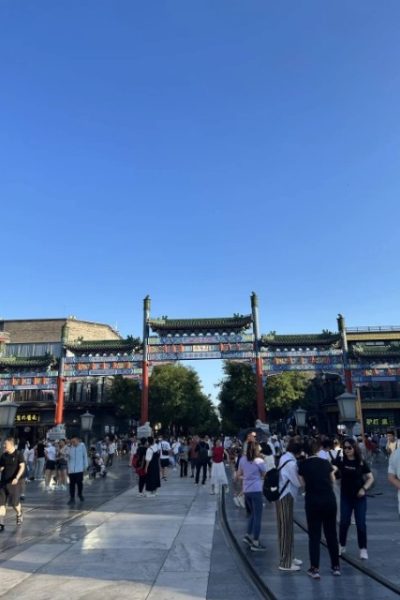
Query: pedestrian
{"x":317,"y":475}
{"x":356,"y":478}
{"x":62,"y":464}
{"x":392,"y":442}
{"x":218,"y":474}
{"x":40,"y":460}
{"x":140,"y":467}
{"x":252,"y":470}
{"x":164,"y":448}
{"x":111,"y":450}
{"x":12,"y":469}
{"x":289,"y":484}
{"x":202,"y":449}
{"x":394,"y":473}
{"x":184,"y":457}
{"x":152,"y":468}
{"x":193,"y":454}
{"x":77,"y":464}
{"x":50,"y":454}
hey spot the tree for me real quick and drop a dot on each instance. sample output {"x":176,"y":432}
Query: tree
{"x":286,"y":391}
{"x":176,"y":400}
{"x":237,"y":397}
{"x":126,"y":397}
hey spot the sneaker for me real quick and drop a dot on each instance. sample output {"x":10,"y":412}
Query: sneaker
{"x":81,"y":498}
{"x":342,"y":550}
{"x":22,"y":497}
{"x":140,"y":495}
{"x":314,"y":573}
{"x":236,"y":501}
{"x":248,"y":540}
{"x":257,"y":547}
{"x":1,"y":527}
{"x":336,"y":571}
{"x":291,"y":569}
{"x":297,"y":562}
{"x":20,"y":519}
{"x":363,"y":554}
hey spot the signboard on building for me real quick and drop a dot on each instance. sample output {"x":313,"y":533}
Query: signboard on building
{"x":298,"y":360}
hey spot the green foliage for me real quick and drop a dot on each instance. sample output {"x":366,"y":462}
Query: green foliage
{"x":237,"y":397}
{"x":176,"y":400}
{"x":285,"y":392}
{"x":126,"y":397}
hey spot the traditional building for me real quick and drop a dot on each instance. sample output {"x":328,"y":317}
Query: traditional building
{"x":30,"y":352}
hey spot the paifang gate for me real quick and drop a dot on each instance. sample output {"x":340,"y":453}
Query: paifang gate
{"x":360,"y":356}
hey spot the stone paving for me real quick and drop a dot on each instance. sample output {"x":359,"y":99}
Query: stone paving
{"x":383,"y":545}
{"x":129,"y":547}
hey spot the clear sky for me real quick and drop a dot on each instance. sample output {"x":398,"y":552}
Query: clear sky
{"x":196,"y":151}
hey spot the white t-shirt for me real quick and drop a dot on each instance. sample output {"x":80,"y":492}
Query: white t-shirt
{"x":150,"y":451}
{"x":111,"y":448}
{"x":164,"y":446}
{"x":50,"y":452}
{"x":394,"y":463}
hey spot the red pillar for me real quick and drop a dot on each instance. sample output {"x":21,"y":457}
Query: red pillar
{"x":347,"y":381}
{"x":59,"y":416}
{"x":261,"y":411}
{"x":144,"y":409}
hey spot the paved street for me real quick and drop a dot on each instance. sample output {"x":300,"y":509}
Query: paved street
{"x":137,"y":548}
{"x":383,"y":547}
{"x":172,"y":547}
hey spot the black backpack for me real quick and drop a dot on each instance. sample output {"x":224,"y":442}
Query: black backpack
{"x":203,"y":453}
{"x":271,"y":483}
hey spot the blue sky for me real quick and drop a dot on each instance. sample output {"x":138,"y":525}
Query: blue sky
{"x":197,"y":151}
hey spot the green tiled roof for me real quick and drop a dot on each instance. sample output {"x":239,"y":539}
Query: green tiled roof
{"x":189,"y":325}
{"x":390,"y":350}
{"x":104,"y":346}
{"x":22,"y":362}
{"x":301,"y":339}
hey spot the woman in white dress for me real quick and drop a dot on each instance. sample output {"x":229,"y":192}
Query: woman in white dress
{"x":218,"y":474}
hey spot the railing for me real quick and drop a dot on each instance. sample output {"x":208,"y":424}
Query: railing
{"x":373,"y":329}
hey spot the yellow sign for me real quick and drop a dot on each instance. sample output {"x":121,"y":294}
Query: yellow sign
{"x":27,"y":418}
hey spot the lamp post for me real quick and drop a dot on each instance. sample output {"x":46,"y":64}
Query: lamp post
{"x":8,"y":410}
{"x":86,"y":426}
{"x":300,"y":417}
{"x":347,"y":404}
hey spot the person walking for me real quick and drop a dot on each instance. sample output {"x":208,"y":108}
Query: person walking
{"x":40,"y":460}
{"x":289,"y":484}
{"x":202,"y":449}
{"x":184,"y":449}
{"x":356,"y":479}
{"x":77,"y":464}
{"x":164,"y":449}
{"x":218,"y":474}
{"x":141,"y":465}
{"x":12,"y":469}
{"x":152,"y":468}
{"x":317,"y":475}
{"x":111,"y":450}
{"x":50,"y":454}
{"x":252,"y":469}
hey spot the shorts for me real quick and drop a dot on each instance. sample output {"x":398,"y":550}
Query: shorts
{"x":61,"y":465}
{"x":10,"y":492}
{"x":50,"y":465}
{"x":164,"y":462}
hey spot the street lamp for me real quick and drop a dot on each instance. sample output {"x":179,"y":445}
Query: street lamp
{"x":300,"y":417}
{"x":86,"y":425}
{"x":8,"y":410}
{"x":347,"y":404}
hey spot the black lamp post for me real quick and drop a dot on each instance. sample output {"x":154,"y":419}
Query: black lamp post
{"x":86,"y":426}
{"x":300,"y":417}
{"x":347,"y":404}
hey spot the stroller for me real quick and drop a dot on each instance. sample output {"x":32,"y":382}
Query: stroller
{"x":96,"y":466}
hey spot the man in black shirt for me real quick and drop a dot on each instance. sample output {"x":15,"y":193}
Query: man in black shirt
{"x":12,"y":468}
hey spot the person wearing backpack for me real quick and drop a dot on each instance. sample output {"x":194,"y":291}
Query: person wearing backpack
{"x":202,"y":449}
{"x":252,"y":469}
{"x":289,"y":485}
